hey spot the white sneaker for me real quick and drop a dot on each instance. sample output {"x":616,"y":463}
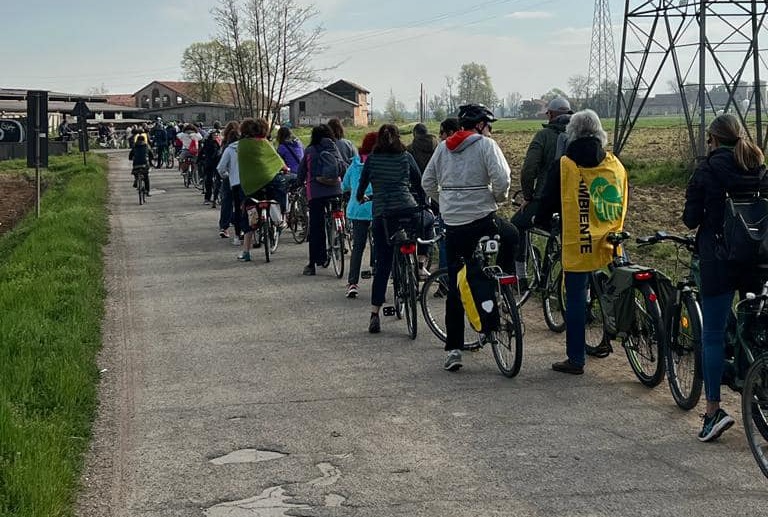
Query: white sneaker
{"x":236,"y":241}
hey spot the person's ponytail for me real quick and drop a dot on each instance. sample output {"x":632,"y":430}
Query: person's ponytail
{"x":748,"y":155}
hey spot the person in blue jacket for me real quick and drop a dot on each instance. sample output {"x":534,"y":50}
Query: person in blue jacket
{"x":358,"y":214}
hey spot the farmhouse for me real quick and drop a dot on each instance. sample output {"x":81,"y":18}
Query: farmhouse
{"x":344,"y":100}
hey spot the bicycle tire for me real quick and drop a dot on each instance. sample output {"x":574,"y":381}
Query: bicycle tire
{"x":396,"y":294}
{"x":682,"y":352}
{"x":330,"y":236}
{"x":338,"y":253}
{"x":171,"y":160}
{"x":432,"y":297}
{"x":594,"y":331}
{"x":507,"y":343}
{"x":265,"y":240}
{"x":159,"y":159}
{"x":553,"y":290}
{"x":408,"y":287}
{"x":533,"y":271}
{"x":186,"y":176}
{"x":140,"y":188}
{"x":644,"y":343}
{"x":754,"y":411}
{"x":296,"y":223}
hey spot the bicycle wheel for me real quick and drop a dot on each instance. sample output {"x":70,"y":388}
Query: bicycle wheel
{"x":754,"y":410}
{"x":170,"y":162}
{"x":408,"y":288}
{"x":396,"y":283}
{"x":533,"y":272}
{"x":643,"y":345}
{"x":553,"y":290}
{"x":432,"y":297}
{"x":140,"y":188}
{"x":330,"y":237}
{"x":265,"y":239}
{"x":297,"y":222}
{"x":186,"y":175}
{"x":338,"y":252}
{"x":683,"y":353}
{"x":507,"y":342}
{"x":594,"y":332}
{"x":158,"y":159}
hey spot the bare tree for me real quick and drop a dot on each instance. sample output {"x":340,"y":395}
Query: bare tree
{"x":270,"y":50}
{"x":579,"y":88}
{"x":205,"y":65}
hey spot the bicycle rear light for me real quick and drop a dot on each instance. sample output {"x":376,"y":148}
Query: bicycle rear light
{"x":338,"y":214}
{"x":652,"y":297}
{"x":264,"y":204}
{"x":408,"y":248}
{"x":508,"y":280}
{"x":643,"y":276}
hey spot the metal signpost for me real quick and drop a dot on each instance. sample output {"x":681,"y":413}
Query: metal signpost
{"x":37,"y":141}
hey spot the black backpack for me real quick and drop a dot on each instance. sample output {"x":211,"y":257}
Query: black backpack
{"x":745,"y":228}
{"x":330,"y":167}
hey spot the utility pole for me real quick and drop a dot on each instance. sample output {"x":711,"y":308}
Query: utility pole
{"x":706,"y":44}
{"x":601,"y":91}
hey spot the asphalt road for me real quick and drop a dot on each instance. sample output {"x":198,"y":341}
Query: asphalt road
{"x":204,"y":357}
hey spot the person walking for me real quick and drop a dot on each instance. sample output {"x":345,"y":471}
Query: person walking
{"x":423,"y":146}
{"x":319,"y":194}
{"x":734,"y":167}
{"x":397,"y":191}
{"x":229,"y":136}
{"x":359,"y":215}
{"x":571,"y":189}
{"x":346,"y":147}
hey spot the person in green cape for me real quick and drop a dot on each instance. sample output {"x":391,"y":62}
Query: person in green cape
{"x":260,"y":168}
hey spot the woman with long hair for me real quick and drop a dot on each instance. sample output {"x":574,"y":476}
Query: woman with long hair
{"x":319,"y":194}
{"x":734,"y":166}
{"x":397,"y":190}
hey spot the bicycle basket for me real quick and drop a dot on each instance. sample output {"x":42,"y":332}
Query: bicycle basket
{"x":252,"y":210}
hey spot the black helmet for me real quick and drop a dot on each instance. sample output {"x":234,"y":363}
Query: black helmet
{"x":475,"y":113}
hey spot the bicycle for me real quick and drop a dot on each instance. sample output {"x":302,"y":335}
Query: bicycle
{"x":335,"y":235}
{"x":405,"y":266}
{"x":297,"y":216}
{"x":682,"y":322}
{"x":623,"y":304}
{"x":138,"y":173}
{"x":507,"y":341}
{"x":260,"y":220}
{"x":544,"y":272}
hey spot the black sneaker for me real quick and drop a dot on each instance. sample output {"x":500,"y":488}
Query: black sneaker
{"x":309,"y":270}
{"x":600,"y":351}
{"x":374,"y":326}
{"x":714,"y":426}
{"x":453,"y":361}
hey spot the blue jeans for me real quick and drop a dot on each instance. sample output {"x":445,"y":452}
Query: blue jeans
{"x":714,"y":315}
{"x":576,"y":316}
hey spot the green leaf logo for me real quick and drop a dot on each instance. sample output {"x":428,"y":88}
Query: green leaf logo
{"x":606,"y":199}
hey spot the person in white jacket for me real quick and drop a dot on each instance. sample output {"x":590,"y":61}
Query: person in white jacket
{"x":469,"y":176}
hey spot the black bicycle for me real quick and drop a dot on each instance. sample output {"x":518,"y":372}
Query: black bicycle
{"x":622,"y":304}
{"x":507,"y":341}
{"x":682,"y":320}
{"x":297,"y":216}
{"x":141,"y":185}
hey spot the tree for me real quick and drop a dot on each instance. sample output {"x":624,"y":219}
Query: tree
{"x":579,"y":88}
{"x":97,"y":90}
{"x":528,"y":109}
{"x":205,"y":65}
{"x":512,"y":102}
{"x":554,"y":93}
{"x":394,"y":110}
{"x":475,"y":85}
{"x":449,"y":95}
{"x":436,"y":105}
{"x":270,"y":50}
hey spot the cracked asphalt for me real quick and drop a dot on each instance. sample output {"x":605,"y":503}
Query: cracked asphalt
{"x":205,"y":356}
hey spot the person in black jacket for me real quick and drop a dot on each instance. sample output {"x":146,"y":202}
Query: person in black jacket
{"x":734,"y":166}
{"x":209,"y":159}
{"x":141,"y":156}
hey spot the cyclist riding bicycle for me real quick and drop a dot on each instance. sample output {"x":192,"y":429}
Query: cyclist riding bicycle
{"x":159,"y":139}
{"x":141,"y":156}
{"x":190,"y":139}
{"x":468,"y":175}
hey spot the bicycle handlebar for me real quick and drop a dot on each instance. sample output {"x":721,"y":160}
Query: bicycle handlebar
{"x":688,"y":241}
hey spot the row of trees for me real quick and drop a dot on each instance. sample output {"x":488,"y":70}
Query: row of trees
{"x":263,"y":48}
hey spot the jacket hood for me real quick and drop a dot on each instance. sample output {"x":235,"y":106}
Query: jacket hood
{"x":326,"y":144}
{"x":586,"y":152}
{"x":460,"y":140}
{"x":424,"y":143}
{"x":558,"y":124}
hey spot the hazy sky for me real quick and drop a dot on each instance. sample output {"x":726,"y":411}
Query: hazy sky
{"x":528,"y":46}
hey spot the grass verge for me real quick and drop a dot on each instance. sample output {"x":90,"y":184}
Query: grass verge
{"x":51,"y":307}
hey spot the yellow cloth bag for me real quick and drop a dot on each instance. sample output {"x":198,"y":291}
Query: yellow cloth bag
{"x":594,"y":204}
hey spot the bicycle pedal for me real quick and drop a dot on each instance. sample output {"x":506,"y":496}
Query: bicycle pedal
{"x":473,"y":347}
{"x":389,"y":311}
{"x":365,"y":274}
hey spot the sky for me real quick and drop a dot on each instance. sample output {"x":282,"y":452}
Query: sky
{"x":390,"y":47}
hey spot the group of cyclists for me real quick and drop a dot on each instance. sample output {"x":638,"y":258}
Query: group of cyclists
{"x":455,"y":183}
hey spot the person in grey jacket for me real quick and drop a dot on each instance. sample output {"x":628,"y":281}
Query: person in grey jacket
{"x":468,"y":175}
